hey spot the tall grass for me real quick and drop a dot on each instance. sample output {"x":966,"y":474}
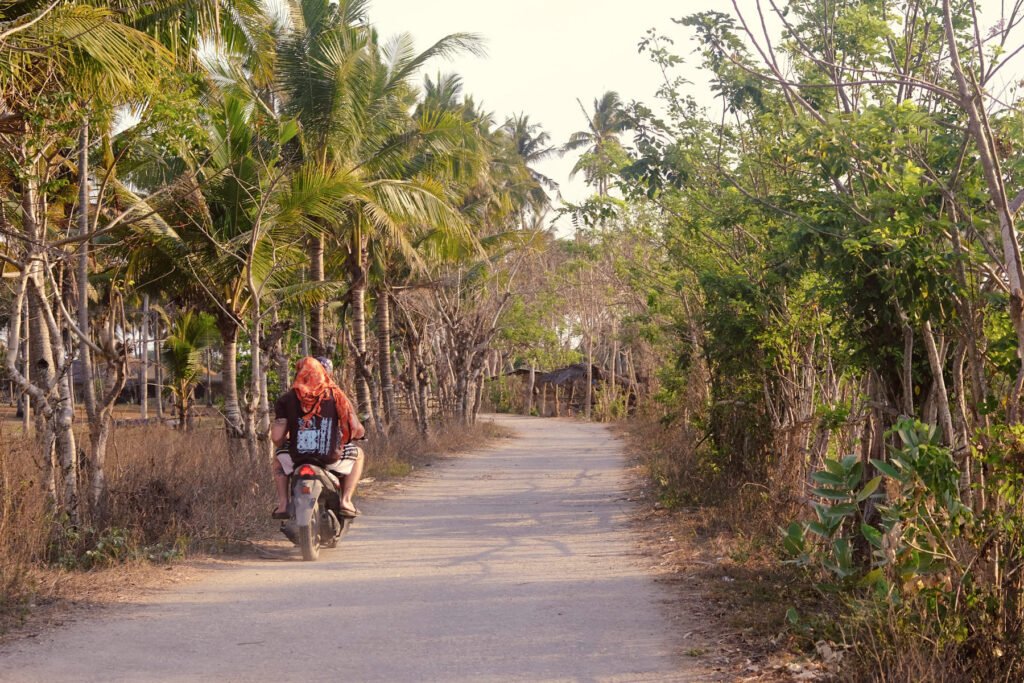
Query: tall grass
{"x":24,"y":524}
{"x":170,"y":494}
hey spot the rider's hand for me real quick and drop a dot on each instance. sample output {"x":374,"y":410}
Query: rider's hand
{"x":350,"y":450}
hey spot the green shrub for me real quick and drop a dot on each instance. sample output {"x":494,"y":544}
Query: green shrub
{"x":922,"y":559}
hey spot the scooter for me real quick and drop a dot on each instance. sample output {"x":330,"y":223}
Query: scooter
{"x":316,"y":520}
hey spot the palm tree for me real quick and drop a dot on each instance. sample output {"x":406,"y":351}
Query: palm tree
{"x":531,"y":142}
{"x":189,"y":334}
{"x":604,"y":153}
{"x":494,"y":188}
{"x":235,"y":225}
{"x":192,"y":28}
{"x":351,"y":95}
{"x":317,"y":58}
{"x":58,"y":52}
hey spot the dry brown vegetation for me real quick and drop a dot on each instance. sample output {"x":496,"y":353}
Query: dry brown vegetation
{"x":172,"y":495}
{"x":718,"y":540}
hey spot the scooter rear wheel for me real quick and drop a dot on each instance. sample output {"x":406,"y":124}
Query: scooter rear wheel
{"x":309,"y":536}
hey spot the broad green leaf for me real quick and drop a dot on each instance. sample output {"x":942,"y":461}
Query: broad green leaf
{"x":819,"y":529}
{"x":835,"y":467}
{"x":887,"y":469}
{"x":823,"y":477}
{"x":868,"y":489}
{"x":873,"y":535}
{"x":830,"y":495}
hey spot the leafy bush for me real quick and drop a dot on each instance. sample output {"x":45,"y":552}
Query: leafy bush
{"x":921,"y":558}
{"x":506,"y":394}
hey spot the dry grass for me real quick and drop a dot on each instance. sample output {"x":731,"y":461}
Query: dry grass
{"x":719,"y":539}
{"x":404,"y":449}
{"x":23,"y":523}
{"x":172,"y":494}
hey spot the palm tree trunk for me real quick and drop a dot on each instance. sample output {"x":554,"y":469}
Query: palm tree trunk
{"x":387,"y":388}
{"x":363,"y":397}
{"x":478,"y":396}
{"x":281,"y":358}
{"x":418,"y":379}
{"x":157,"y":354}
{"x":423,"y":397}
{"x":209,"y":376}
{"x":26,"y":370}
{"x":84,"y":352}
{"x":305,"y":334}
{"x":183,"y":411}
{"x":316,"y":313}
{"x":144,"y":361}
{"x":257,"y":413}
{"x":100,"y":439}
{"x":41,"y":369}
{"x":229,"y":377}
{"x":55,"y":423}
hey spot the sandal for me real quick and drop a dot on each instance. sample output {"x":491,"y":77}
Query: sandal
{"x":349,"y":512}
{"x":277,"y":514}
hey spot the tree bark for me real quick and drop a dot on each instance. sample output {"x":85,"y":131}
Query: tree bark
{"x":387,"y":388}
{"x":67,"y":450}
{"x":316,"y":312}
{"x":157,"y":351}
{"x":908,"y":365}
{"x":530,"y":387}
{"x":144,"y":361}
{"x":305,"y":334}
{"x":84,"y":352}
{"x":26,"y":364}
{"x":363,"y":397}
{"x":588,"y":392}
{"x":939,"y":382}
{"x":41,"y":375}
{"x":971,"y":100}
{"x":229,"y":377}
{"x":99,"y":430}
{"x":284,"y":380}
{"x":257,"y":423}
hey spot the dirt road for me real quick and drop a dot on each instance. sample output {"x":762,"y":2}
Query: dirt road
{"x":515,"y":564}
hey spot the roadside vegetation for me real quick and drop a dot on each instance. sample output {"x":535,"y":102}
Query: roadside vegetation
{"x":173,"y":495}
{"x":830,"y":284}
{"x":193,"y":196}
{"x":807,"y":297}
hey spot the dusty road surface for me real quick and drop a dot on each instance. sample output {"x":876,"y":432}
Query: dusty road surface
{"x":514,"y":564}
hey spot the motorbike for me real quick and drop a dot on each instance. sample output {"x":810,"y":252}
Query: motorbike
{"x":314,"y":505}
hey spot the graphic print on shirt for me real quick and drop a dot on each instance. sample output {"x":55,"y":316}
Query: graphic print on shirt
{"x":314,"y":435}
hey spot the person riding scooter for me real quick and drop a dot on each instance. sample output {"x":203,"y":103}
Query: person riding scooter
{"x":314,"y":420}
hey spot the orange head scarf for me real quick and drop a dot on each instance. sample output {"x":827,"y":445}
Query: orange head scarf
{"x":313,"y":385}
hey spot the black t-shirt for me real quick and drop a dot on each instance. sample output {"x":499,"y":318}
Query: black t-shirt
{"x":314,"y":438}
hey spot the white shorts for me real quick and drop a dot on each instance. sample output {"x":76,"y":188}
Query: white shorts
{"x":341,"y":467}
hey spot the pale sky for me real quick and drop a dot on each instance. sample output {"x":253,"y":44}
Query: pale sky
{"x":544,"y":54}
